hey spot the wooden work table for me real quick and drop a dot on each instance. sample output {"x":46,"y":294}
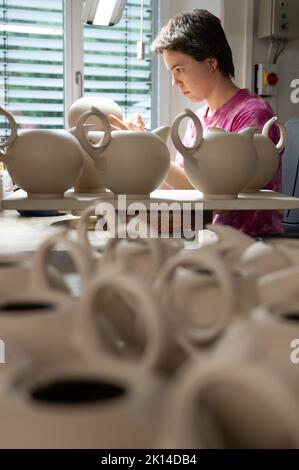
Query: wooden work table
{"x":25,"y":234}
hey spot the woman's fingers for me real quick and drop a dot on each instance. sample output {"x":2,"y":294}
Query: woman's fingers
{"x":140,"y":121}
{"x":136,"y":124}
{"x":117,"y":123}
{"x":135,"y":127}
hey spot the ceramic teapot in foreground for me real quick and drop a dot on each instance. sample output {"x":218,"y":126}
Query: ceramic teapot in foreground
{"x":219,"y":163}
{"x":37,"y":318}
{"x":131,"y":162}
{"x":90,"y":180}
{"x":45,"y":163}
{"x":196,"y":295}
{"x":268,"y":155}
{"x":76,"y":403}
{"x":225,"y":404}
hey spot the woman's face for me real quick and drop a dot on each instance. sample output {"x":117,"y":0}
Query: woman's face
{"x":194,"y":79}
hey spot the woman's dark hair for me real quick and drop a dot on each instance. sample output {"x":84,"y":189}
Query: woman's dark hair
{"x":199,"y":34}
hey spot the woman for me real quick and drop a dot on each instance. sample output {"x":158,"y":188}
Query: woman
{"x":196,"y":53}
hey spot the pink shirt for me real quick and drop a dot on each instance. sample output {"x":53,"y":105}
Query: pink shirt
{"x":244,"y":109}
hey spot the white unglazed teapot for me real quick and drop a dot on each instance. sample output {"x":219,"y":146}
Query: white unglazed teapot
{"x":119,"y":319}
{"x":268,"y":155}
{"x":36,"y":317}
{"x":219,"y":163}
{"x":228,"y":404}
{"x":276,"y":322}
{"x":82,"y":105}
{"x":45,"y":163}
{"x":130,"y":162}
{"x":90,"y":180}
{"x":249,"y":260}
{"x":196,"y":294}
{"x":74,"y":403}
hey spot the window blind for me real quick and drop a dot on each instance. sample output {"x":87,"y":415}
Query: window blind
{"x":111,"y":67}
{"x":32,"y":68}
{"x":31,"y":54}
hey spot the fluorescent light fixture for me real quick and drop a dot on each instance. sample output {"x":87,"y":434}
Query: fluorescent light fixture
{"x":103,"y":12}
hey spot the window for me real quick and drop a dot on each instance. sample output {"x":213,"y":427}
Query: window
{"x":38,"y":60}
{"x":31,"y":53}
{"x":111,"y":67}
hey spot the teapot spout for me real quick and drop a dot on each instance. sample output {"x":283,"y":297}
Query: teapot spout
{"x":162,"y":132}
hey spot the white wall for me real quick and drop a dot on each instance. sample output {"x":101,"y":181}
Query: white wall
{"x":288,"y":70}
{"x":237,"y":21}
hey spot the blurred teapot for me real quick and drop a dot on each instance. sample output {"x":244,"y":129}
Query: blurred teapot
{"x":227,"y":404}
{"x":131,"y":162}
{"x":196,"y":294}
{"x":74,"y":402}
{"x":45,"y":163}
{"x":219,"y":163}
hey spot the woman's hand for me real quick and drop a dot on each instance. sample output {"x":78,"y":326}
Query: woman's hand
{"x":135,"y":124}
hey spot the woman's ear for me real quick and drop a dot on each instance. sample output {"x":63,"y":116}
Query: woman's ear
{"x":212,"y":63}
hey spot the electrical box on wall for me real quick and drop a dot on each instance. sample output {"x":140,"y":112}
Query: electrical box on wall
{"x":267,"y":79}
{"x":278,"y":19}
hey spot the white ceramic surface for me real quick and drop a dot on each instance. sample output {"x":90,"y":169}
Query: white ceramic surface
{"x":130,"y":162}
{"x":45,"y":163}
{"x":37,"y":318}
{"x":76,"y":404}
{"x":219,"y":163}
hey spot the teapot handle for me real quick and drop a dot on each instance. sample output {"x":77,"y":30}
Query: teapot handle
{"x":81,"y":260}
{"x":155,"y":245}
{"x":82,"y":231}
{"x":207,"y":259}
{"x":283,"y":132}
{"x":136,"y":296}
{"x":230,"y":241}
{"x":13,"y":127}
{"x":176,"y":137}
{"x":94,"y":150}
{"x":83,"y":236}
{"x":278,"y":287}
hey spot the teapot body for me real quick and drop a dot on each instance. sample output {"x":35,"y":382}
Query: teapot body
{"x":44,"y":163}
{"x":219,"y":164}
{"x":133,"y":163}
{"x":223,"y":165}
{"x":136,"y":163}
{"x":82,"y":105}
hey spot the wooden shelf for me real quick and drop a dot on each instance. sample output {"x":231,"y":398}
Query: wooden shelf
{"x":264,"y":200}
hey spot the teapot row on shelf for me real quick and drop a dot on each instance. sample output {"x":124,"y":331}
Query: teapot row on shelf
{"x":92,"y":157}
